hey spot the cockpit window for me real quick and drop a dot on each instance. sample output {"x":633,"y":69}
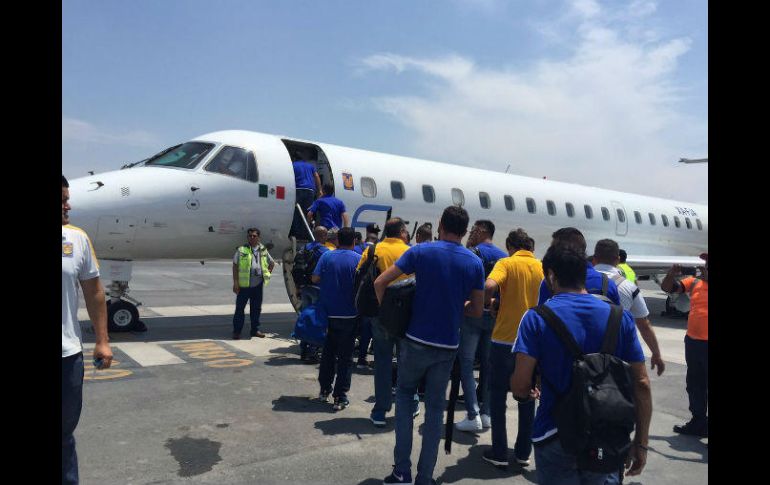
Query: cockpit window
{"x":235,"y":162}
{"x":186,"y":155}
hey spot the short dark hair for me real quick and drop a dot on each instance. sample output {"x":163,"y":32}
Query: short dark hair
{"x":622,"y":254}
{"x":359,"y":236}
{"x":486,"y":225}
{"x":425,"y":231}
{"x":64,"y":182}
{"x":253,"y":229}
{"x":530,"y":244}
{"x":571,"y":236}
{"x":346,"y":236}
{"x":455,"y":220}
{"x":517,"y":239}
{"x":328,"y":188}
{"x":567,"y":263}
{"x":606,"y":251}
{"x":394,"y":227}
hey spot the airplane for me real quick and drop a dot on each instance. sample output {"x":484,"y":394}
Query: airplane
{"x":196,"y":199}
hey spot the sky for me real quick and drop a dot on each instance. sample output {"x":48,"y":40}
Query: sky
{"x":604,"y":93}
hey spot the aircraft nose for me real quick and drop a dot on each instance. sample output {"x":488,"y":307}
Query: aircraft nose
{"x":89,"y":197}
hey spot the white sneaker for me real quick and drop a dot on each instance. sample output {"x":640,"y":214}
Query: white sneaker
{"x":486,"y":421}
{"x":469,"y":424}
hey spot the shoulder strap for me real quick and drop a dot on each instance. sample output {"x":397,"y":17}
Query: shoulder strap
{"x":618,"y":278}
{"x":692,"y":287}
{"x":558,"y":327}
{"x":610,"y":342}
{"x":605,"y":284}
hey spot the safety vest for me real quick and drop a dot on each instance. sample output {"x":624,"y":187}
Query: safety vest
{"x":244,"y":265}
{"x":626,"y":271}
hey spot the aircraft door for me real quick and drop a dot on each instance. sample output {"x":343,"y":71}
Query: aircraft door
{"x":621,"y":221}
{"x":116,"y":234}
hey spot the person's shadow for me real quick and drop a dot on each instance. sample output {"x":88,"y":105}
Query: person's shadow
{"x":474,"y":466}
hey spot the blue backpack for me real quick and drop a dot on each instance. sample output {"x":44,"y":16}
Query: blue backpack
{"x":311,"y":325}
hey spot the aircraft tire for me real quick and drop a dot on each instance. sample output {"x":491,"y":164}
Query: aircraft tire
{"x":122,"y":316}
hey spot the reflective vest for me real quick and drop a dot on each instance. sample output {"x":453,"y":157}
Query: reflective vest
{"x":244,"y":265}
{"x":626,"y":271}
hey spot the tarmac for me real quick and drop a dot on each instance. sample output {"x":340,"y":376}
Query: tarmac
{"x":183,"y":403}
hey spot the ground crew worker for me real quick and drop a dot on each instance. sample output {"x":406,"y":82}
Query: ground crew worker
{"x":696,"y":345}
{"x":625,"y":269}
{"x":517,"y":278}
{"x":252,"y":265}
{"x":78,"y":264}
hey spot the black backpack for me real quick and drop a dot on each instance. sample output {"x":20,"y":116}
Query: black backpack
{"x":365,"y":297}
{"x":596,"y":416}
{"x":304,"y":263}
{"x":396,"y":309}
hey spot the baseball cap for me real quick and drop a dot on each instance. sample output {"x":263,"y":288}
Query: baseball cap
{"x":373,"y":228}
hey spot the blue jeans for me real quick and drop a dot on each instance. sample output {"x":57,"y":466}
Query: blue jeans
{"x":337,"y":353}
{"x":502,"y":364}
{"x":254,"y":296}
{"x":557,"y":467}
{"x":383,"y":344}
{"x":473,"y":335}
{"x":365,"y":337}
{"x":71,"y":404}
{"x":416,"y":361}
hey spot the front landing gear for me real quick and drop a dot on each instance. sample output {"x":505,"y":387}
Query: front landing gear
{"x":122,"y":312}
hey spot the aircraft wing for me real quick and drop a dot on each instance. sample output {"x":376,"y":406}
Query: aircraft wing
{"x":648,"y":265}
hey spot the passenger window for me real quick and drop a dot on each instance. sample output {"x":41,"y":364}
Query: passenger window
{"x":458,"y":198}
{"x":233,"y":162}
{"x":676,"y":221}
{"x":637,"y":217}
{"x":570,"y":209}
{"x":484,"y":200}
{"x":531,"y":207}
{"x":700,"y":226}
{"x":368,"y":187}
{"x":652,"y":218}
{"x":589,"y":211}
{"x":428,"y":194}
{"x":605,"y":214}
{"x":551,"y":207}
{"x":621,"y":215}
{"x":397,"y":190}
{"x":508,"y":202}
{"x":688,"y":223}
{"x":664,"y":218}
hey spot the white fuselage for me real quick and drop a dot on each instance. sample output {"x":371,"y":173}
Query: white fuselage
{"x":161,"y":212}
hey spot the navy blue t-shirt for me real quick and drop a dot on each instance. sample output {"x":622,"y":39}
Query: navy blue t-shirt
{"x":337,"y":270}
{"x":328,"y":211}
{"x":303,"y":174}
{"x":586,"y":318}
{"x":446,"y":273}
{"x":593,"y":285}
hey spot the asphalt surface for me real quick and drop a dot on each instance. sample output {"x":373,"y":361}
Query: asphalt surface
{"x":185,"y":404}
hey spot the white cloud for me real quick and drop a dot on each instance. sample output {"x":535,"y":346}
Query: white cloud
{"x":78,"y":131}
{"x":608,"y":115}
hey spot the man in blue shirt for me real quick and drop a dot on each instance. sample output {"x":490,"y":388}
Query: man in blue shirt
{"x":448,"y":276}
{"x":330,"y":210}
{"x":475,"y":337}
{"x":538,"y":346}
{"x":336,"y":271}
{"x":593,"y":281}
{"x":307,"y":182}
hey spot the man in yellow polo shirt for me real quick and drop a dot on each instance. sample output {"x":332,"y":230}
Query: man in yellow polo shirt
{"x":387,"y":253}
{"x":517,"y":278}
{"x":696,"y":345}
